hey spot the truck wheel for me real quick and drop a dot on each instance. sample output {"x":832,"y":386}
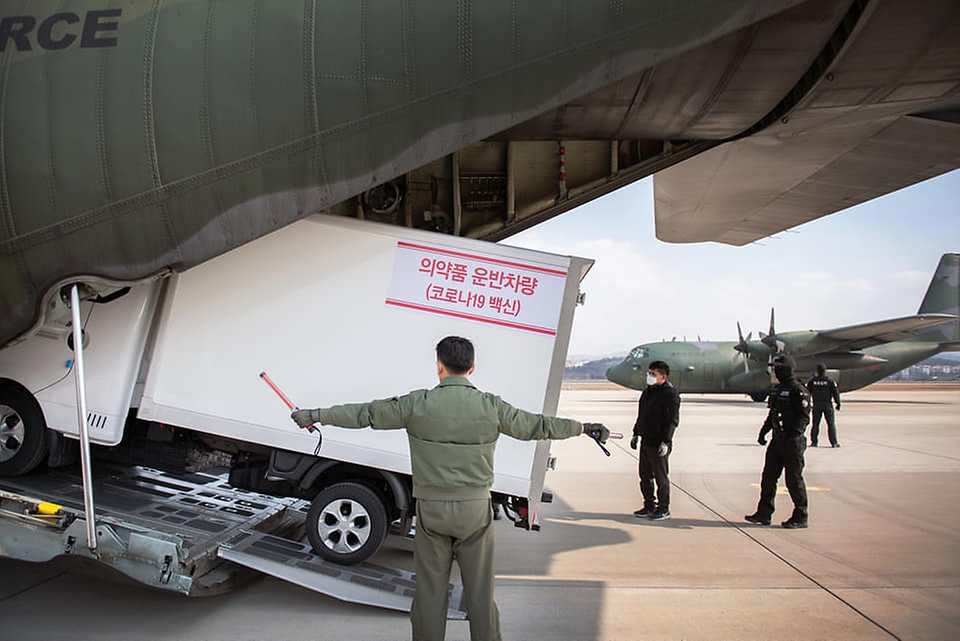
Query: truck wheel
{"x":23,"y":431}
{"x":346,"y":523}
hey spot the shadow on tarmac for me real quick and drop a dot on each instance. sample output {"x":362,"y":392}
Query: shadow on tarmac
{"x":629,"y":519}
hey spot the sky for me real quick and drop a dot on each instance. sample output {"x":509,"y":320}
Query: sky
{"x":869,"y":262}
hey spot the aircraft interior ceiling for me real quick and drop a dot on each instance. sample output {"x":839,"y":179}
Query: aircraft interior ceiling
{"x":123,"y":160}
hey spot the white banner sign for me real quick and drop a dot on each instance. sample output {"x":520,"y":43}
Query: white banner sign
{"x":478,"y":287}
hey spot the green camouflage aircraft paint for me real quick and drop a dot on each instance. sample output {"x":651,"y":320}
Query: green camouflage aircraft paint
{"x":855,"y":356}
{"x":147,"y":136}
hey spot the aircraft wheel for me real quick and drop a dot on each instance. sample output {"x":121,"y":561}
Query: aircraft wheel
{"x":346,"y":523}
{"x":23,"y":431}
{"x":759,"y":396}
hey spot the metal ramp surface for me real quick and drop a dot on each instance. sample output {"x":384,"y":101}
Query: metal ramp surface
{"x":364,"y":583}
{"x":160,"y":528}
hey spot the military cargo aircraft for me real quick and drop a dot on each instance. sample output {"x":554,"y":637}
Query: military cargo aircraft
{"x":855,"y":356}
{"x":143,"y":137}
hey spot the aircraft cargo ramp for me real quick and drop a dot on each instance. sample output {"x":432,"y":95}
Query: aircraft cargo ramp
{"x":189,"y":533}
{"x":365,"y":583}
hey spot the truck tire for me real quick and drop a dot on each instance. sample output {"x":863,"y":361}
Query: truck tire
{"x":23,"y":431}
{"x":346,"y":523}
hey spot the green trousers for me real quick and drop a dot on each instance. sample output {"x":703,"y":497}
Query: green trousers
{"x":448,"y":530}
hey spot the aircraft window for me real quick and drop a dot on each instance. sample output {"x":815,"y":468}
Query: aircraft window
{"x":640,"y":352}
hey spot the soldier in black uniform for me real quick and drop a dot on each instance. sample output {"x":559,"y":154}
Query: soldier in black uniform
{"x":657,"y":419}
{"x":789,"y":414}
{"x":824,"y":391}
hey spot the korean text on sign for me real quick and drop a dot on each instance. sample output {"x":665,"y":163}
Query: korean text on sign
{"x":485,"y":288}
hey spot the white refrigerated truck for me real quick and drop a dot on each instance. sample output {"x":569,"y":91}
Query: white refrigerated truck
{"x":334,"y":310}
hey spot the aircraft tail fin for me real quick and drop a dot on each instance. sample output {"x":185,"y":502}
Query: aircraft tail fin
{"x":943,"y":297}
{"x":943,"y":294}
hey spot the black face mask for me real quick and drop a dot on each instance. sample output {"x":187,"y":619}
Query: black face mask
{"x":783,"y":374}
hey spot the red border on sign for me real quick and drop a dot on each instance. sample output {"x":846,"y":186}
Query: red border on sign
{"x":496,"y":261}
{"x":483,"y":319}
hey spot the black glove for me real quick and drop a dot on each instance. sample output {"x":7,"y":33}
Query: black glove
{"x":633,"y":442}
{"x":305,"y":418}
{"x":838,"y":407}
{"x":596,"y":431}
{"x":762,"y":440}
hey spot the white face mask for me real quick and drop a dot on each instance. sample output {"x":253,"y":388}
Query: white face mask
{"x":651,"y":379}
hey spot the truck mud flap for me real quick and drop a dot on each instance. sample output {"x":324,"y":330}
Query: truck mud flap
{"x":364,"y":583}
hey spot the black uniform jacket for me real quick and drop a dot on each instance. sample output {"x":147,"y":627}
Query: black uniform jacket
{"x":659,"y":414}
{"x":789,"y":414}
{"x":823,"y":389}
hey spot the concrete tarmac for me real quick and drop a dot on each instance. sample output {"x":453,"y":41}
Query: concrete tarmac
{"x":881,"y":559}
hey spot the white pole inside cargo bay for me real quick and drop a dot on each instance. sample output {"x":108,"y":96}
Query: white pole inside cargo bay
{"x":82,"y":419}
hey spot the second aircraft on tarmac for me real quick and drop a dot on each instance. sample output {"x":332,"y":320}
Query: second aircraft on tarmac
{"x":855,"y":356}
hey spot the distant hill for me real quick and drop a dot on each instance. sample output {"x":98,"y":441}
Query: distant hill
{"x":591,"y":369}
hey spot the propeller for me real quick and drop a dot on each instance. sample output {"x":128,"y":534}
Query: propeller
{"x":743,"y":348}
{"x":772,"y":341}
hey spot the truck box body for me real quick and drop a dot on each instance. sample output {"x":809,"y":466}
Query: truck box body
{"x":335,"y":311}
{"x":339,"y":311}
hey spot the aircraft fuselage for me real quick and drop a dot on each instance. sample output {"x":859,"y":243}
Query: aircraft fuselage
{"x":717,"y":368}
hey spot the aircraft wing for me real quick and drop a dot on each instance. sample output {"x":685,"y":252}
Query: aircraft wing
{"x":866,"y":125}
{"x":856,"y":337}
{"x":752,"y":188}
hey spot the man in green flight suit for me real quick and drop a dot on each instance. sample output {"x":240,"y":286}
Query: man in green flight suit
{"x":452,"y":430}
